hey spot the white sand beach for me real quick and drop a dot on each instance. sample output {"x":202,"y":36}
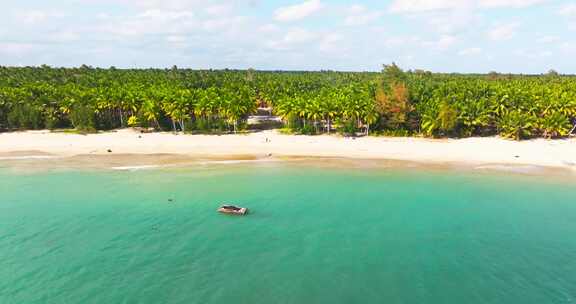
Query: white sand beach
{"x":490,"y":151}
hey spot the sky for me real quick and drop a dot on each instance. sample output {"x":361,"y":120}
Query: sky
{"x":468,"y":36}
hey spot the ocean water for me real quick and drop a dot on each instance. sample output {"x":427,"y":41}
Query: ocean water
{"x":314,"y":235}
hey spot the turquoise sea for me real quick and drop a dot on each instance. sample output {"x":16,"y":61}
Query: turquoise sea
{"x":314,"y":235}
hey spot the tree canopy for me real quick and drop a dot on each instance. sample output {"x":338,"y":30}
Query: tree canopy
{"x":393,"y":102}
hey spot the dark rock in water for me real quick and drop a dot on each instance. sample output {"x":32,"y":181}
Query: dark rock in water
{"x":170,"y":200}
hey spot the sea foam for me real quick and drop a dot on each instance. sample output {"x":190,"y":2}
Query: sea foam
{"x":136,"y":168}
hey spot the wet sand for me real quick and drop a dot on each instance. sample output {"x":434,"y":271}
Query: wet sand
{"x":130,"y":150}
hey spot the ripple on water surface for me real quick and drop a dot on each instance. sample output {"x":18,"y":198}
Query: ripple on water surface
{"x":314,"y":235}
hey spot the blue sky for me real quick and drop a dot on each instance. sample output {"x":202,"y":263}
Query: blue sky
{"x":520,"y":36}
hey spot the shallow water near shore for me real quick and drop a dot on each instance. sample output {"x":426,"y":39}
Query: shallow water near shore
{"x":331,"y":234}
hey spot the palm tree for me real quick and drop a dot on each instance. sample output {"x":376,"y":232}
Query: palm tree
{"x":151,"y":111}
{"x":516,"y":125}
{"x":554,"y":125}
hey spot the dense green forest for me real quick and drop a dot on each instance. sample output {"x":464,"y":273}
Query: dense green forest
{"x":392,"y":102}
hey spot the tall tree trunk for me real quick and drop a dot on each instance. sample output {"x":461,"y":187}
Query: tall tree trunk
{"x":121,"y":118}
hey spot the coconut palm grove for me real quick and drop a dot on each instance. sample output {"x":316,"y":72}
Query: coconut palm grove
{"x":392,"y":103}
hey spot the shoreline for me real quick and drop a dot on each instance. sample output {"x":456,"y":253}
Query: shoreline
{"x":168,"y":162}
{"x":131,"y":148}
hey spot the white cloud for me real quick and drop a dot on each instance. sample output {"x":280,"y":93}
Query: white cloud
{"x":163,"y":4}
{"x":360,"y":15}
{"x":407,"y":61}
{"x":151,"y":21}
{"x":298,"y":11}
{"x":531,"y":54}
{"x":37,"y":16}
{"x":173,"y":22}
{"x":292,"y":38}
{"x":416,"y":6}
{"x":568,"y":10}
{"x":568,"y":47}
{"x":548,"y":39}
{"x":503,"y":32}
{"x":176,"y":39}
{"x":103,"y":16}
{"x":510,"y":3}
{"x":298,"y":35}
{"x":237,"y":34}
{"x":268,"y":28}
{"x":219,"y":9}
{"x":15,"y":48}
{"x":442,"y":16}
{"x":399,"y":41}
{"x":166,"y":15}
{"x":454,"y":21}
{"x":230,"y":23}
{"x":470,"y":51}
{"x":210,"y":7}
{"x":64,"y":36}
{"x":330,"y":43}
{"x":443,"y":43}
